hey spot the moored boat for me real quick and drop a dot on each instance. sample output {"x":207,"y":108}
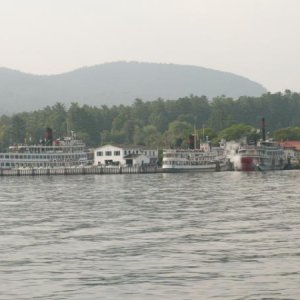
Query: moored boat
{"x":266,"y":155}
{"x":187,"y":160}
{"x":262,"y":156}
{"x":203,"y":159}
{"x":67,"y":151}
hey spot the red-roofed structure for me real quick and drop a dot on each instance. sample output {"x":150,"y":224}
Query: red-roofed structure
{"x":295,"y":145}
{"x":292,"y":151}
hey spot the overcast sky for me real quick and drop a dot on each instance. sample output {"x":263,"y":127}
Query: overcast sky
{"x":258,"y":39}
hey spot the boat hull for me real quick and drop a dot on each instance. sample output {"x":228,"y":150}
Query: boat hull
{"x":203,"y":168}
{"x":249,"y":164}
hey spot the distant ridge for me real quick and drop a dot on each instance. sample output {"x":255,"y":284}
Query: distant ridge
{"x":118,"y":83}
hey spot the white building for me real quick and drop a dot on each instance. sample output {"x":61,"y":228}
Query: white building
{"x":125,"y":156}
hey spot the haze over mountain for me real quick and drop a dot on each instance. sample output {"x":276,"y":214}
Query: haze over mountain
{"x":118,"y":83}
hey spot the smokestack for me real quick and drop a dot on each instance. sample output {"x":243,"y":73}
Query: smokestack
{"x":263,"y":129}
{"x":191,"y":142}
{"x":49,"y":137}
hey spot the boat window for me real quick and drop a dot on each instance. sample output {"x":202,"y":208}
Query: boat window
{"x":117,"y":153}
{"x":108,"y":153}
{"x":99,"y":153}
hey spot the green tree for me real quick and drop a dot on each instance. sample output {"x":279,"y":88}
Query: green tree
{"x":4,"y":133}
{"x":236,"y":132}
{"x":221,"y":113}
{"x":17,"y":129}
{"x":148,"y":136}
{"x":287,"y":134}
{"x":177,"y":131}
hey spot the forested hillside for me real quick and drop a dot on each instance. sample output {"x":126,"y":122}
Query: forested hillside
{"x":158,"y":123}
{"x":118,"y":83}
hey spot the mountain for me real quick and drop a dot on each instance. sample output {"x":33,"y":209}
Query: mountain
{"x":118,"y":83}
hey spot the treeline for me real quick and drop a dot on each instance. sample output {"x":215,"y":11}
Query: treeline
{"x":159,"y":123}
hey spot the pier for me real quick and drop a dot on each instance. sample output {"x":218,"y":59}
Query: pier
{"x":86,"y":170}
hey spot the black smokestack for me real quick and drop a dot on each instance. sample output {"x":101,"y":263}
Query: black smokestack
{"x":191,"y":142}
{"x":49,"y":136}
{"x":263,"y":129}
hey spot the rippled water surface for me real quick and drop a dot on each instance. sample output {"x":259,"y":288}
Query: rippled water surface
{"x":155,"y":236}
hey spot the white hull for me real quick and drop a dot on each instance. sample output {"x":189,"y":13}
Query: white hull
{"x":204,"y":168}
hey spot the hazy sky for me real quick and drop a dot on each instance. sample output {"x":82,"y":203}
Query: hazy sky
{"x":259,"y":39}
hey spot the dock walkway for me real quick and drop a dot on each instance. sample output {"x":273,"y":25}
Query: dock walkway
{"x":87,"y":170}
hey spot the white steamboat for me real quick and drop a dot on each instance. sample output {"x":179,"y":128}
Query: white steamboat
{"x":63,"y":152}
{"x":203,"y":159}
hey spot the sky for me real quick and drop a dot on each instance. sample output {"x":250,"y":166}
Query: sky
{"x":257,"y":39}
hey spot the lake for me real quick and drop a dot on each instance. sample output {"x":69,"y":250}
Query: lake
{"x":227,"y":235}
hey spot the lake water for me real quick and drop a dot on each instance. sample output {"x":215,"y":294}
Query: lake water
{"x":205,"y":236}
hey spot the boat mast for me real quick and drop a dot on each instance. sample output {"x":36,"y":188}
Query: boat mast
{"x":195,"y":135}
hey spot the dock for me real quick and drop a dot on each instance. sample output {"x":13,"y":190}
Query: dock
{"x":86,"y":170}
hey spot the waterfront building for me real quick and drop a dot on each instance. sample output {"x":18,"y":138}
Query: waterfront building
{"x":292,"y":151}
{"x":112,"y":155}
